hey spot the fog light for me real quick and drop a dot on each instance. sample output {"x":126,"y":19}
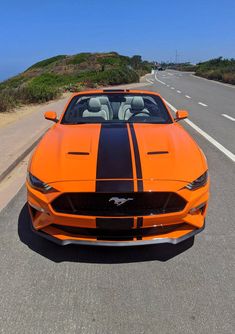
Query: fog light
{"x":198,"y":209}
{"x":37,"y":207}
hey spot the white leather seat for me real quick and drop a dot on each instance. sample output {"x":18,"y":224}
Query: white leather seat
{"x":94,"y":109}
{"x":137,"y":106}
{"x":123,"y":107}
{"x":105,"y":105}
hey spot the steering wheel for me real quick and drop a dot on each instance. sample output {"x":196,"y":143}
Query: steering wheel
{"x":137,"y":113}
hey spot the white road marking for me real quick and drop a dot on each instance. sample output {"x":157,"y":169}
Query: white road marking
{"x":188,"y":97}
{"x":214,"y":142}
{"x":172,"y":87}
{"x":150,"y":81}
{"x":178,"y":91}
{"x":170,"y":106}
{"x":203,"y":104}
{"x":167,"y":85}
{"x":159,"y":80}
{"x":229,"y":117}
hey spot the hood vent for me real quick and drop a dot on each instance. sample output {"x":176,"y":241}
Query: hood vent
{"x":79,"y":153}
{"x":158,"y":152}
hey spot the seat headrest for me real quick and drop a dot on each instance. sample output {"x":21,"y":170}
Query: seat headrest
{"x":128,"y":99}
{"x":137,"y":103}
{"x":94,"y":104}
{"x":104,"y":100}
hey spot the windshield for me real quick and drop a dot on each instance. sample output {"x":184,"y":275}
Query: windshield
{"x":105,"y":108}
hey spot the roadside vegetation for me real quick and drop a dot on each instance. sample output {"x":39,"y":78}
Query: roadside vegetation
{"x":220,"y":69}
{"x":186,"y":67}
{"x":49,"y":78}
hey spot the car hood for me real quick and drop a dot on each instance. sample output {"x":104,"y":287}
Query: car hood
{"x":76,"y":152}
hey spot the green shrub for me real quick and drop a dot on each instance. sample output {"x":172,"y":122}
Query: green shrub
{"x":218,"y":69}
{"x":79,"y":58}
{"x":77,"y":87}
{"x":48,"y":79}
{"x":14,"y":82}
{"x":7,"y":101}
{"x":113,"y":60}
{"x":229,"y":78}
{"x":35,"y":92}
{"x":47,"y":62}
{"x":113,"y":77}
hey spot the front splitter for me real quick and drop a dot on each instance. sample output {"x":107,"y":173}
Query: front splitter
{"x":66,"y":242}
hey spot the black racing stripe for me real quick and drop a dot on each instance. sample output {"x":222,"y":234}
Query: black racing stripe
{"x":139,"y":222}
{"x":139,"y":225}
{"x":137,"y":159}
{"x":140,"y":185}
{"x":115,"y":223}
{"x":115,"y":186}
{"x":114,"y":157}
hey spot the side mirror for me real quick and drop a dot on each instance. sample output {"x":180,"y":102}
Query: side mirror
{"x":181,"y":114}
{"x":51,"y":116}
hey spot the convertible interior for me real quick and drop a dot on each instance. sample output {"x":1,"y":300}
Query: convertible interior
{"x":116,"y":108}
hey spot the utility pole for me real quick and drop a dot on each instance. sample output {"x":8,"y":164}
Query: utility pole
{"x":176,"y":56}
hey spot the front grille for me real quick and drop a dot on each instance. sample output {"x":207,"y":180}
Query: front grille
{"x":124,"y":234}
{"x":114,"y":205}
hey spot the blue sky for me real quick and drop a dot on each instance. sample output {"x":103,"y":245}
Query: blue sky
{"x":34,"y":30}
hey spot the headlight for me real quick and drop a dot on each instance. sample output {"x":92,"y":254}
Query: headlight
{"x":199,"y":182}
{"x":38,"y":184}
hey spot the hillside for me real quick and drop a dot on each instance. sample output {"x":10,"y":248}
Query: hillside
{"x":49,"y":78}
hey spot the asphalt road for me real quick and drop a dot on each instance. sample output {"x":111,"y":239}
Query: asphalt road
{"x":207,"y":102}
{"x":187,"y":288}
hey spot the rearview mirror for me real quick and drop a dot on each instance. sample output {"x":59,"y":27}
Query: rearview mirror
{"x":181,"y":114}
{"x":51,"y":116}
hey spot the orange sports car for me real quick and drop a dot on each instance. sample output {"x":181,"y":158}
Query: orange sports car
{"x":117,"y":170}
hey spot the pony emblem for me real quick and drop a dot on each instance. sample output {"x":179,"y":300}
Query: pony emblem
{"x":119,"y":201}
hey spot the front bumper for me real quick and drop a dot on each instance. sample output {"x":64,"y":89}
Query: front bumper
{"x":66,"y":242}
{"x":65,"y":229}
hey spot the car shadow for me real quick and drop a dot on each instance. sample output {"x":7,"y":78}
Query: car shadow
{"x":91,"y":254}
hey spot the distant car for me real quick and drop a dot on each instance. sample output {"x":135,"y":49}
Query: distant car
{"x":117,"y":169}
{"x":161,"y":69}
